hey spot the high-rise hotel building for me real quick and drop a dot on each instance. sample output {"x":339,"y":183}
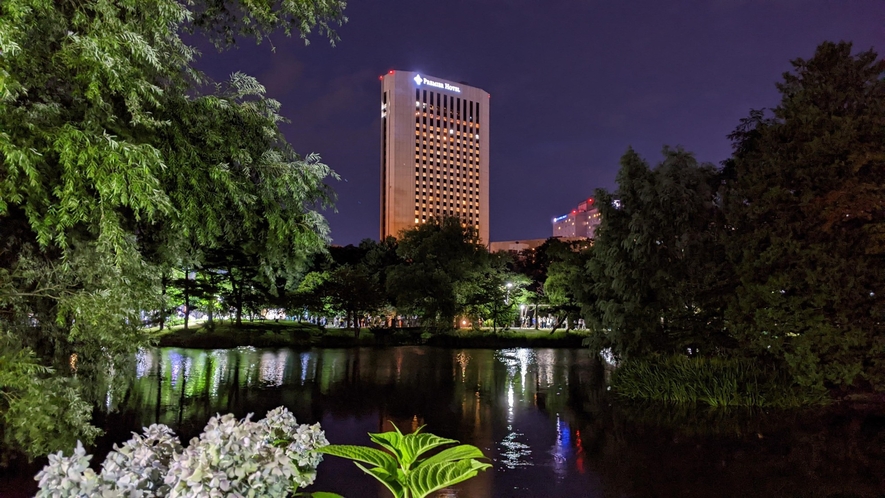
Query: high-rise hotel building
{"x":434,"y":152}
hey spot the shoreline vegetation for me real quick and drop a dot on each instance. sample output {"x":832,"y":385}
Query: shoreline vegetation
{"x":269,"y":333}
{"x":713,"y":382}
{"x":658,"y":379}
{"x":670,"y":380}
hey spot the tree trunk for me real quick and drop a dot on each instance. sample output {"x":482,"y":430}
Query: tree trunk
{"x":535,"y":317}
{"x":238,"y":297}
{"x":558,"y":323}
{"x":163,"y":284}
{"x":187,"y":298}
{"x":356,"y":326}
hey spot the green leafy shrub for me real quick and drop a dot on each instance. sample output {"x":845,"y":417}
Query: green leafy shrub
{"x":270,"y":458}
{"x":401,"y":470}
{"x":40,"y":411}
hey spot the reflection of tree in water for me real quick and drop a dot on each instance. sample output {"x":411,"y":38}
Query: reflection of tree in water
{"x":480,"y":396}
{"x":645,"y":450}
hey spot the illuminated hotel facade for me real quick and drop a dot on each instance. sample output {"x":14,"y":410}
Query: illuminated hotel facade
{"x":581,"y":222}
{"x":434,"y":152}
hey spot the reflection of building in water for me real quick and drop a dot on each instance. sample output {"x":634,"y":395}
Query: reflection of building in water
{"x":482,"y":397}
{"x":471,"y":395}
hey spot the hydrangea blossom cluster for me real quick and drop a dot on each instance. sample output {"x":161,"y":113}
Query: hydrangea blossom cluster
{"x":268,"y":458}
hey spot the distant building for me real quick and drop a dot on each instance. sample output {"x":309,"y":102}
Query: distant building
{"x":434,"y":152}
{"x":515,"y":245}
{"x":581,"y":222}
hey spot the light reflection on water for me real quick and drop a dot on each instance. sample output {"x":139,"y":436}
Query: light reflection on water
{"x":513,"y":452}
{"x":496,"y":394}
{"x":543,"y":416}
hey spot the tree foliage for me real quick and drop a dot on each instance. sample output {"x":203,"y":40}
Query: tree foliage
{"x":119,"y":161}
{"x":659,"y":280}
{"x":567,"y":285}
{"x":807,"y":204}
{"x":439,"y":259}
{"x":778,"y":256}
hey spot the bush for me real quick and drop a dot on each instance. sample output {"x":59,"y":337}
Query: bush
{"x":269,"y":458}
{"x":711,"y":381}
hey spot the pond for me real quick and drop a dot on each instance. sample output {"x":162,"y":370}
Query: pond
{"x":543,"y":416}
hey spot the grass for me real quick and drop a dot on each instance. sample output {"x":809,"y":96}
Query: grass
{"x":486,"y":338}
{"x":716,"y":382}
{"x":267,"y":333}
{"x":228,"y":335}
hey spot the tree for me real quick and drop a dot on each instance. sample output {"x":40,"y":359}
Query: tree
{"x":494,"y":293}
{"x":308,"y":297}
{"x":353,"y":290}
{"x":119,"y":160}
{"x":619,"y":310}
{"x":658,"y":278}
{"x":567,"y":280}
{"x":438,"y":257}
{"x":807,"y":210}
{"x":535,"y":264}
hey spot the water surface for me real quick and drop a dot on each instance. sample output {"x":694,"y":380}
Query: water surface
{"x":543,"y":416}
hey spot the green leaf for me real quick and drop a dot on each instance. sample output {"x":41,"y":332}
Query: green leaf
{"x":391,"y":441}
{"x":424,"y":480}
{"x":388,"y":480}
{"x":371,"y":456}
{"x":416,"y":444}
{"x":461,"y":452}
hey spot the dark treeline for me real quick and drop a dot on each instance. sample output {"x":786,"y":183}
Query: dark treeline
{"x":431,"y":277}
{"x":777,"y":256}
{"x":436,"y":277}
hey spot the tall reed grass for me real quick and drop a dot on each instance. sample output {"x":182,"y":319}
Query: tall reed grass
{"x":716,"y":382}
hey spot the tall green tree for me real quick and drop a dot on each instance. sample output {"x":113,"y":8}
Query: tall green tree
{"x":567,"y":281}
{"x":118,"y":160}
{"x":354,"y":291}
{"x":658,"y":279}
{"x":493,"y":293}
{"x":535,"y":264}
{"x":807,"y":208}
{"x":439,"y":260}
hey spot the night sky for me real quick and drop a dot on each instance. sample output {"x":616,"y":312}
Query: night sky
{"x":573,"y":83}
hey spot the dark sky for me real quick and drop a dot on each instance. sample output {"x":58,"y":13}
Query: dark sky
{"x":573,"y":83}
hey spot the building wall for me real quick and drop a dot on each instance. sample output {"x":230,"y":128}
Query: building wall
{"x":515,"y":245}
{"x":581,"y":222}
{"x":434,"y":152}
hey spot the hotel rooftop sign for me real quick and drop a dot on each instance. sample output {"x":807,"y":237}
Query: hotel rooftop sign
{"x":420,"y":80}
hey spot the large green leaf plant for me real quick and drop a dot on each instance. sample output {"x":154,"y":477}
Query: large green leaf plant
{"x":403,"y":471}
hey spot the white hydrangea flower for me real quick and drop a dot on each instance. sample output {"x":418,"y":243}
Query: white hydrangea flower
{"x":231,"y":458}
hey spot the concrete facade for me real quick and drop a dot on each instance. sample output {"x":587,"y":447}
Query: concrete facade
{"x":515,"y":246}
{"x":434,"y":152}
{"x":581,"y":222}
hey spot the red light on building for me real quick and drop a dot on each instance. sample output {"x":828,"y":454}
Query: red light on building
{"x":590,"y":201}
{"x":391,"y":71}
